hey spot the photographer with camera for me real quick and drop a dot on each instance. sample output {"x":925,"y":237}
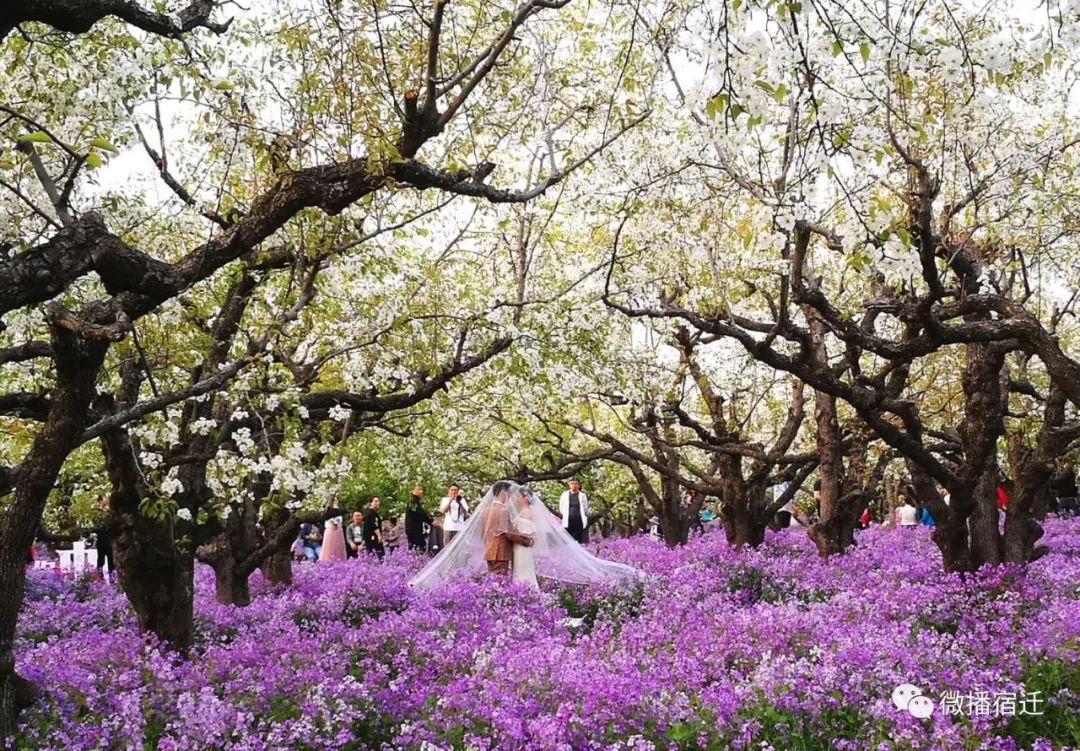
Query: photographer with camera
{"x":455,"y":512}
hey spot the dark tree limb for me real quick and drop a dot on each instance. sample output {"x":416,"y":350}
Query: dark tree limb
{"x":24,"y":352}
{"x":79,"y":16}
{"x":25,"y":405}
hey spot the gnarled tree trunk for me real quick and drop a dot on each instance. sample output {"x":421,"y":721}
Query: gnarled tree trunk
{"x":277,"y":567}
{"x":984,"y":423}
{"x":158,"y":578}
{"x":77,"y":364}
{"x":155,"y":565}
{"x":834,"y":531}
{"x":231,"y":583}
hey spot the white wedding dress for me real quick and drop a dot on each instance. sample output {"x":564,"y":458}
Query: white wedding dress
{"x":524,"y":569}
{"x":555,"y":555}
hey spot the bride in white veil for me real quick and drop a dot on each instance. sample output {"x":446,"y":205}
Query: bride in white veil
{"x":517,"y":513}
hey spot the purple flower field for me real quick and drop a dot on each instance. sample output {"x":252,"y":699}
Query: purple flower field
{"x":772,"y":649}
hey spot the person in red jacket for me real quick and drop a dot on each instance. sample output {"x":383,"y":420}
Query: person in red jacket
{"x":1002,"y":500}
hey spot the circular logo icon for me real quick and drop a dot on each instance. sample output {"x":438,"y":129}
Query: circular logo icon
{"x":921,"y":707}
{"x":904,"y":693}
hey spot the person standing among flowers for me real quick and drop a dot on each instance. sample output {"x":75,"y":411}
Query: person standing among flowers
{"x":695,"y":519}
{"x":354,"y":535}
{"x":574,"y":510}
{"x":906,"y":514}
{"x":785,"y":514}
{"x":455,"y":512}
{"x":499,"y":533}
{"x":373,"y":542}
{"x":1063,"y":490}
{"x":415,"y":520}
{"x":333,"y":547}
{"x":103,"y":540}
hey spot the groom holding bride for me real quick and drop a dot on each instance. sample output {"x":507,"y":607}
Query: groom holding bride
{"x":512,"y":532}
{"x":500,"y":535}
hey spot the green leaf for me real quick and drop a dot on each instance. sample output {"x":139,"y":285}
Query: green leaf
{"x":94,"y":159}
{"x":837,"y":48}
{"x":764,"y":85}
{"x":38,"y":136}
{"x":104,"y":144}
{"x":7,"y":164}
{"x":223,"y":86}
{"x":780,"y":93}
{"x":864,"y":50}
{"x":716,"y":106}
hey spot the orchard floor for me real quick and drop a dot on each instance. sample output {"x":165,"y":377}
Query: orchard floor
{"x":720,"y":649}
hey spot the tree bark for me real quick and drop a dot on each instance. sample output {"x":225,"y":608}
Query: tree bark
{"x":277,"y":566}
{"x":156,"y":569}
{"x":277,"y":569}
{"x":158,"y":578}
{"x":77,"y":364}
{"x":833,"y":532}
{"x":231,"y":584}
{"x":741,"y":527}
{"x":673,"y":520}
{"x":950,"y":522}
{"x":743,"y":508}
{"x":1034,"y":468}
{"x":984,"y":423}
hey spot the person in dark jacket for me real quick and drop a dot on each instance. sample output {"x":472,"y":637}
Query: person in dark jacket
{"x":373,"y":529}
{"x":104,"y":541}
{"x":415,"y":519}
{"x":1063,"y":489}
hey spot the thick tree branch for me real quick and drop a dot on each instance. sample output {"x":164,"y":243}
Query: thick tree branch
{"x":25,"y":405}
{"x":79,"y":16}
{"x":24,"y":352}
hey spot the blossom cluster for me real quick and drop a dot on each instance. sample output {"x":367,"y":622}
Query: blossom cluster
{"x":718,"y":649}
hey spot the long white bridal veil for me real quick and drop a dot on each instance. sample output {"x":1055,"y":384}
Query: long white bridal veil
{"x":559,"y":556}
{"x":556,"y":554}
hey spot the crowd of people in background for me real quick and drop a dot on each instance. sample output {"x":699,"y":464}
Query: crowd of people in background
{"x":418,"y":529}
{"x":429,"y":532}
{"x":1061,"y":499}
{"x":367,"y":532}
{"x":371,"y":534}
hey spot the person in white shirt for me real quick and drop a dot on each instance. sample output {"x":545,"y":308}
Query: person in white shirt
{"x":574,"y":510}
{"x":455,"y":512}
{"x":907,"y":515}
